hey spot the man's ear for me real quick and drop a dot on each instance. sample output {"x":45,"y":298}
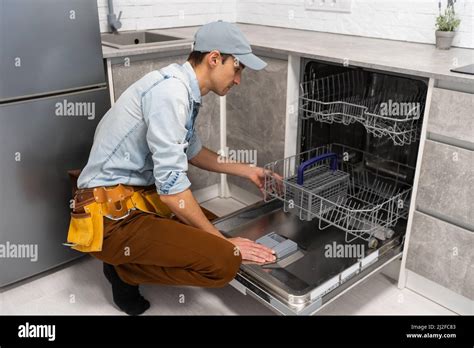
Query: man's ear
{"x":214,"y":58}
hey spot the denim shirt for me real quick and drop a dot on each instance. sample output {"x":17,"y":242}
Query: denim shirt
{"x":148,"y":135}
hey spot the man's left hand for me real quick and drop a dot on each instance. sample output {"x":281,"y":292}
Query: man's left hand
{"x":257,"y":176}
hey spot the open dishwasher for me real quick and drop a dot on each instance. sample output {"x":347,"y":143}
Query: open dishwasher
{"x":336,"y":211}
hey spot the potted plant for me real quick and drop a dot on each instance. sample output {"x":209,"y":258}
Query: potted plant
{"x":446,"y":25}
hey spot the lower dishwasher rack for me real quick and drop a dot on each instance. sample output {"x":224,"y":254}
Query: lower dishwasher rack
{"x":305,"y":281}
{"x":335,"y":185}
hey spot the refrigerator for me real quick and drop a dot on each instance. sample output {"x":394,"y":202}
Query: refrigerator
{"x":53,"y":93}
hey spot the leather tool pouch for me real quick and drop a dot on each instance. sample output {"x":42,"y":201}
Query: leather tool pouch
{"x":113,"y":200}
{"x":86,"y":227}
{"x":149,"y":202}
{"x":86,"y":230}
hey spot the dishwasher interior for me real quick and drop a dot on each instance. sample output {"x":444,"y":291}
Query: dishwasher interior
{"x":337,"y":209}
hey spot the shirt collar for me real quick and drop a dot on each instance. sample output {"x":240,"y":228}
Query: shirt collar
{"x":193,"y":82}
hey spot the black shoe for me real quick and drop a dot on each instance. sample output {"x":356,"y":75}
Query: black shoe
{"x":127,"y":297}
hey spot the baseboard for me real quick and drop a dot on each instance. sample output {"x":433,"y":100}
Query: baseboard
{"x":439,"y":294}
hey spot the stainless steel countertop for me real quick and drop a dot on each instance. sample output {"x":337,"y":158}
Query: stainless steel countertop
{"x":396,"y":56}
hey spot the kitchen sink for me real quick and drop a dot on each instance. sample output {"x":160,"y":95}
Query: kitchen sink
{"x":139,"y":39}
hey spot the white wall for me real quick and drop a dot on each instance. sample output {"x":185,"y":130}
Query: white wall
{"x":407,"y":20}
{"x":150,"y":14}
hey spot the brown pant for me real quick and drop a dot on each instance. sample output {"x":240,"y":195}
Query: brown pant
{"x":147,"y":249}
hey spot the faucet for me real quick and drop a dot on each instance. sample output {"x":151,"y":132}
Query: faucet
{"x":112,"y":20}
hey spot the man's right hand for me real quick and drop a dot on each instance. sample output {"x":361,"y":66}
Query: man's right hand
{"x":252,"y":251}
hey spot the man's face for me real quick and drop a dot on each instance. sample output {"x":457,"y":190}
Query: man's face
{"x":225,"y":75}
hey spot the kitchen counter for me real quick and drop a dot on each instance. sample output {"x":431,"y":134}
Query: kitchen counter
{"x":397,"y":56}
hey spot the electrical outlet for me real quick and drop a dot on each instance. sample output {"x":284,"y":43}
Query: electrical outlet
{"x":328,"y":5}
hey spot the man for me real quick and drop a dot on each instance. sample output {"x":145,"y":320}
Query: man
{"x":148,"y":137}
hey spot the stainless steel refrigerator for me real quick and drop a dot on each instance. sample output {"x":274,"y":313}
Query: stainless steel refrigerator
{"x":53,"y":92}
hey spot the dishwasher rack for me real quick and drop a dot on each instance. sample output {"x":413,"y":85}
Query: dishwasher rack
{"x":362,"y":201}
{"x":345,"y":98}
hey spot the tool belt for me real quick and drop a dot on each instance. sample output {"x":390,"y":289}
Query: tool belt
{"x":91,"y":205}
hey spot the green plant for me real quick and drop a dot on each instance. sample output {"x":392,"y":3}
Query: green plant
{"x":447,"y":21}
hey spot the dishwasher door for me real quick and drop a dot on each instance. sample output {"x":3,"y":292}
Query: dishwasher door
{"x":323,"y":267}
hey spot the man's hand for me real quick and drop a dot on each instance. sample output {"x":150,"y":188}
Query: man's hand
{"x":252,"y":251}
{"x":257,"y":176}
{"x":209,"y":160}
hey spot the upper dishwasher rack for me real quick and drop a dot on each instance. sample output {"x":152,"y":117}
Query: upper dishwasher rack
{"x":348,"y":97}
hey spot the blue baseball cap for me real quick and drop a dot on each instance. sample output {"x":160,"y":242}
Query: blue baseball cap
{"x":228,"y":39}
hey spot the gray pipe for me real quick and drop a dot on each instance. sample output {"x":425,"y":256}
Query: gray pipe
{"x":111,"y":6}
{"x":112,"y":20}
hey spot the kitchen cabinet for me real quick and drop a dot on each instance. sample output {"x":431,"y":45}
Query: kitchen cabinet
{"x":446,"y":185}
{"x":127,"y":70}
{"x":439,"y":255}
{"x":443,"y":253}
{"x":451,"y":114}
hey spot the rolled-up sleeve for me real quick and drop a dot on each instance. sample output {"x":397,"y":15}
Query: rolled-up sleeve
{"x":165,"y":110}
{"x":195,"y":146}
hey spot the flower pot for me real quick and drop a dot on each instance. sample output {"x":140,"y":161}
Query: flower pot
{"x":444,"y":39}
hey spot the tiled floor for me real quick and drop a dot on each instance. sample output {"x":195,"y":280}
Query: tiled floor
{"x":80,"y":288}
